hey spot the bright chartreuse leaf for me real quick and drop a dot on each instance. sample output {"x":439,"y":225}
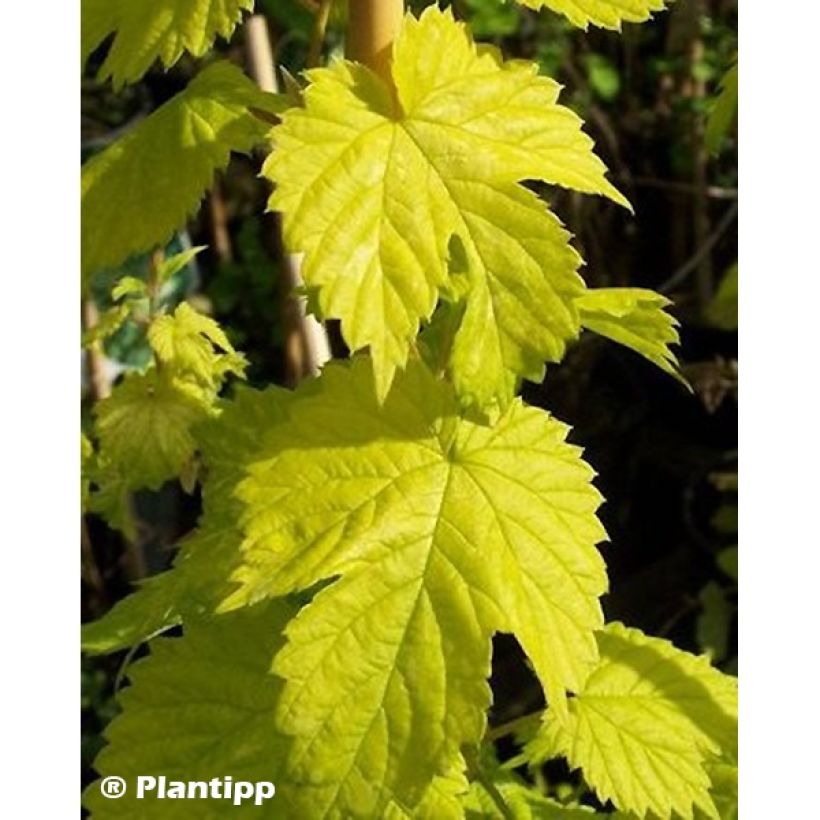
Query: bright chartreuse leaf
{"x":637,"y":319}
{"x":145,"y":427}
{"x":109,"y":323}
{"x":129,"y":287}
{"x":440,"y":532}
{"x":141,"y":188}
{"x":149,"y":30}
{"x":606,"y":13}
{"x":200,"y":577}
{"x":645,"y":726}
{"x":193,"y":346}
{"x":174,"y":264}
{"x":198,"y":707}
{"x":442,"y":800}
{"x":723,"y":113}
{"x":374,"y":184}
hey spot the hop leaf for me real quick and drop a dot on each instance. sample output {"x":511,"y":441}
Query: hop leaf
{"x":199,"y":707}
{"x":186,"y":343}
{"x":607,"y":13}
{"x":443,"y":531}
{"x":174,"y":264}
{"x":635,"y":318}
{"x":645,"y":725}
{"x":440,"y":157}
{"x":111,"y":499}
{"x":138,"y":191}
{"x":201,"y":572}
{"x":145,"y":428}
{"x":109,"y":323}
{"x":161,"y":29}
{"x":154,"y":607}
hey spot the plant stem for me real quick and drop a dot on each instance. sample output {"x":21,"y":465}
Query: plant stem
{"x":495,"y":795}
{"x":154,"y":285}
{"x":512,"y":726}
{"x":317,"y":38}
{"x":372,"y":28}
{"x":476,"y":772}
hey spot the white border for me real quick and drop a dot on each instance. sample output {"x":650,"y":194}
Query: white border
{"x":779,"y":419}
{"x":779,"y":415}
{"x":39,"y":465}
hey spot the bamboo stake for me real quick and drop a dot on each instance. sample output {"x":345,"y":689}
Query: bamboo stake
{"x":372,"y":28}
{"x":99,"y":381}
{"x":307,"y":347}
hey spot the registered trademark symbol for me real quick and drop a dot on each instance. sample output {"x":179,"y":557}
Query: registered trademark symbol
{"x":113,"y":787}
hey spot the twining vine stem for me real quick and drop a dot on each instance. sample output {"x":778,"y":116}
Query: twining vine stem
{"x":317,"y":39}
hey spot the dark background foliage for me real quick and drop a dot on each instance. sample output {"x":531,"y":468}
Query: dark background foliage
{"x":666,"y":459}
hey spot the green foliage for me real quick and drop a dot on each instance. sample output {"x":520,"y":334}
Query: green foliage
{"x":602,"y":76}
{"x":722,"y":310}
{"x":501,"y":793}
{"x":646,"y":725}
{"x":162,"y":29}
{"x":712,"y":631}
{"x":489,"y":18}
{"x":727,"y":561}
{"x":441,"y":159}
{"x":138,"y":191}
{"x":364,"y":537}
{"x":723,"y":113}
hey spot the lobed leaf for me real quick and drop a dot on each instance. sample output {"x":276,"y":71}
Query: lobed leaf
{"x":637,"y":319}
{"x":188,"y":344}
{"x":439,"y":532}
{"x":646,"y":725}
{"x":198,"y":707}
{"x":141,"y":188}
{"x":374,"y":182}
{"x":157,"y":30}
{"x":200,"y":577}
{"x":145,"y":428}
{"x":606,"y":13}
